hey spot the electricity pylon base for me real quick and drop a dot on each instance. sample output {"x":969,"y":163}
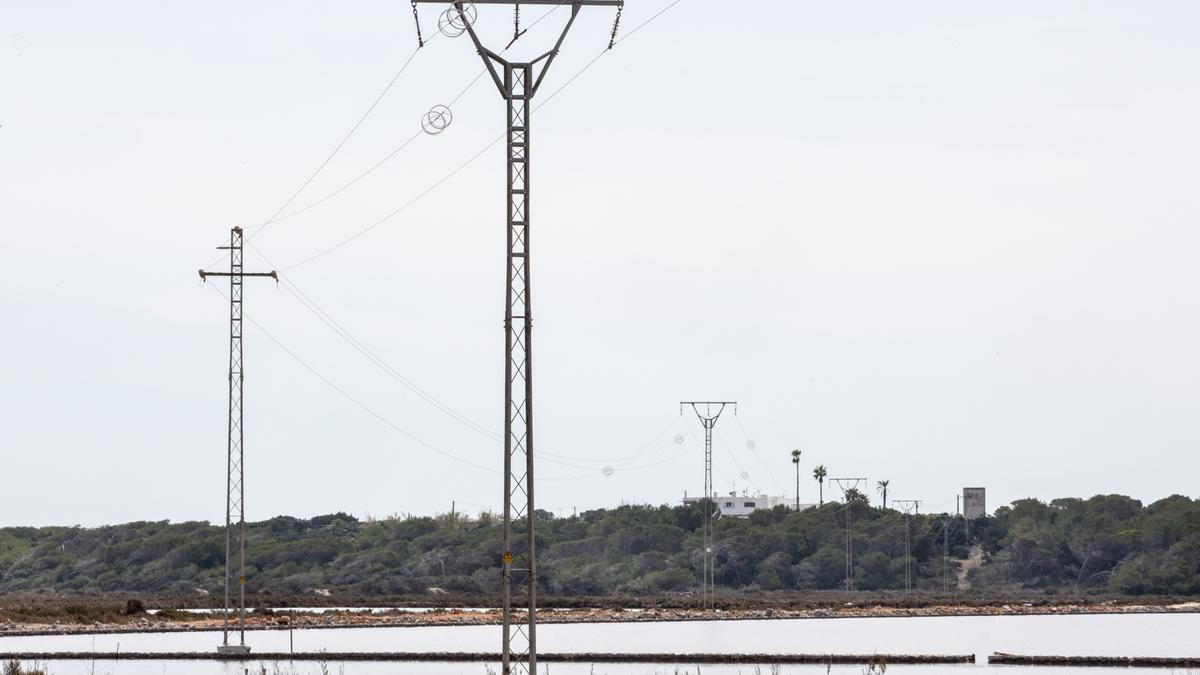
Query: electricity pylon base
{"x":233,"y":650}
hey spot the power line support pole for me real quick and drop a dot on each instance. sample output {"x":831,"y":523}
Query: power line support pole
{"x":908,"y":505}
{"x":235,"y":486}
{"x":946,"y":522}
{"x":848,"y":484}
{"x":518,"y":82}
{"x":707,"y":503}
{"x":945,"y":559}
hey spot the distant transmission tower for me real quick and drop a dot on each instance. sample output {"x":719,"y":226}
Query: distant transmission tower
{"x":848,"y":484}
{"x":518,"y":82}
{"x":946,"y":530}
{"x":235,"y":491}
{"x":908,"y":506}
{"x":707,"y":504}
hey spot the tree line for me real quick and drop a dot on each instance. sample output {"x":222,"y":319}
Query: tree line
{"x":1109,"y":543}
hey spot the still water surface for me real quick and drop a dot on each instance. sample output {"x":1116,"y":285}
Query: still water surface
{"x":1102,"y":635}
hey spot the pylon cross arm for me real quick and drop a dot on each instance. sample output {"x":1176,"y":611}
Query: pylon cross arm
{"x":491,"y":59}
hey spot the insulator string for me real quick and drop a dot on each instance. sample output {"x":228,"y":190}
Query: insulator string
{"x":616,"y":25}
{"x":417,"y":20}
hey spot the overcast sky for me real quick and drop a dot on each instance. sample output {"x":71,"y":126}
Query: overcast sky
{"x":939,"y":243}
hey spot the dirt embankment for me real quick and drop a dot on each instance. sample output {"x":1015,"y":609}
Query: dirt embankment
{"x":173,"y":621}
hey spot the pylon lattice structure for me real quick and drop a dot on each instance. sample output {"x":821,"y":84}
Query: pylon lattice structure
{"x":235,"y":485}
{"x":517,"y":82}
{"x":848,"y":484}
{"x":908,"y":506}
{"x":708,"y":504}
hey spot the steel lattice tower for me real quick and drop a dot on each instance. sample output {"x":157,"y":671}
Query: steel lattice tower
{"x":707,"y":504}
{"x":908,"y":506}
{"x":518,"y":82}
{"x":848,"y":484}
{"x":235,"y":486}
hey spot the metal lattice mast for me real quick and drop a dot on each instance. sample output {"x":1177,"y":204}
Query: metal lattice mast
{"x":235,"y":486}
{"x":707,"y":503}
{"x":518,"y":381}
{"x":517,"y":83}
{"x":908,"y":505}
{"x":848,"y":484}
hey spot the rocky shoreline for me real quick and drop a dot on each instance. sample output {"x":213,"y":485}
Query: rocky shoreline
{"x":283,"y":620}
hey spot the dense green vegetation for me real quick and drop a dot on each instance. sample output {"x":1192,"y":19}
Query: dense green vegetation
{"x":1108,"y":544}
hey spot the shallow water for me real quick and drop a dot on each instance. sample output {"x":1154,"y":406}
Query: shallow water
{"x":1075,"y":635}
{"x":205,"y":668}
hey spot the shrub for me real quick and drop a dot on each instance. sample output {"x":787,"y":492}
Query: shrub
{"x":14,"y":667}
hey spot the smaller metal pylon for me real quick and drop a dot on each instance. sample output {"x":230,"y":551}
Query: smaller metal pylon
{"x":235,"y":485}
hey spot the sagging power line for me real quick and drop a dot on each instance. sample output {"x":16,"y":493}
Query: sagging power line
{"x":475,"y":156}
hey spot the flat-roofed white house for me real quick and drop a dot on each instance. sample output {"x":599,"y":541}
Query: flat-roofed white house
{"x":733,"y":505}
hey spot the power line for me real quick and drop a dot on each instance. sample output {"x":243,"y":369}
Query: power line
{"x":658,"y":463}
{"x":398,"y":211}
{"x":333,"y":153}
{"x":343,"y":142}
{"x":345,"y":186}
{"x":308,"y":303}
{"x":323,"y":316}
{"x":359,"y":403}
{"x":752,"y":447}
{"x":386,"y":158}
{"x":477,"y":155}
{"x":367,"y":409}
{"x":276,"y":217}
{"x":371,"y":356}
{"x":746,"y":475}
{"x":642,"y":452}
{"x":563,"y":460}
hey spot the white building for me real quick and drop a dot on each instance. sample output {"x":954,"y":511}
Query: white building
{"x":733,"y":505}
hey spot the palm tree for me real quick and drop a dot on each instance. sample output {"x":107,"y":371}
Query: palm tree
{"x":796,"y":461}
{"x":881,"y":487}
{"x":819,"y":474}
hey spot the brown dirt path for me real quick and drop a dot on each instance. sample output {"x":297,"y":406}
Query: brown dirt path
{"x":973,"y":562}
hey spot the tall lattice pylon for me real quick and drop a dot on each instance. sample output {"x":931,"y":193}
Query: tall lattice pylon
{"x":908,"y":506}
{"x":850,"y":492}
{"x":235,"y":484}
{"x":518,"y":82}
{"x":711,"y":413}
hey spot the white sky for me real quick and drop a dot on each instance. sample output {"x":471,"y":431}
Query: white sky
{"x":941,"y":243}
